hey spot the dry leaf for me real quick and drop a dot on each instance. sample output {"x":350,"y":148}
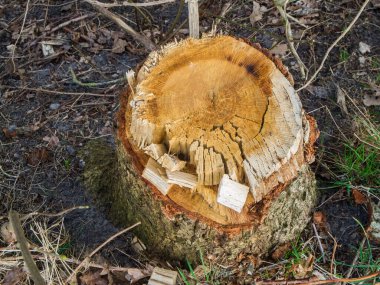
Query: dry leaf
{"x":93,"y":278}
{"x":52,"y":141}
{"x":341,"y":100}
{"x":319,"y":218}
{"x":280,"y":251}
{"x":303,"y":269}
{"x":38,"y":156}
{"x":280,"y":49}
{"x":135,"y":274}
{"x":256,"y":14}
{"x":119,"y":46}
{"x":7,"y":233}
{"x":9,"y":132}
{"x":359,"y":197}
{"x":14,"y":276}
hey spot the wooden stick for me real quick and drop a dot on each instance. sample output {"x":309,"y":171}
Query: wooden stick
{"x":126,"y":3}
{"x":97,"y":249}
{"x":193,"y":18}
{"x":63,"y":212}
{"x":142,"y":39}
{"x":317,"y":282}
{"x":14,"y":220}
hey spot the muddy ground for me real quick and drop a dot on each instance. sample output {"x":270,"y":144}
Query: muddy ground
{"x":46,"y":117}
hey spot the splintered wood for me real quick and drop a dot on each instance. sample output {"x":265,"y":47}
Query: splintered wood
{"x":216,"y":112}
{"x":162,"y":276}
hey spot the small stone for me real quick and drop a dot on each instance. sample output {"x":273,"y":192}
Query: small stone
{"x":361,"y":60}
{"x":82,"y":163}
{"x":54,"y":106}
{"x":70,"y":150}
{"x":364,"y":48}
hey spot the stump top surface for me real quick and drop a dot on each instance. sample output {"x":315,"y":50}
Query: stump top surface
{"x":219,"y":106}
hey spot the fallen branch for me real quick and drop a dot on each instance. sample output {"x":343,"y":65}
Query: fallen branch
{"x":95,"y":84}
{"x":50,"y":215}
{"x":289,"y":36}
{"x":333,"y":45}
{"x":23,"y":244}
{"x":317,"y":282}
{"x":126,"y":3}
{"x":142,"y":39}
{"x":86,"y":260}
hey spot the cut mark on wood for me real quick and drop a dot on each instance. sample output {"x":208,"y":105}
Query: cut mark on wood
{"x":156,"y":175}
{"x":232,"y":194}
{"x":162,"y":276}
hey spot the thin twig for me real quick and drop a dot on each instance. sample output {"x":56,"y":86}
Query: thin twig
{"x":56,"y":92}
{"x":333,"y":45}
{"x":51,"y":215}
{"x":79,"y":267}
{"x":19,"y":36}
{"x":7,"y":174}
{"x":349,"y":272}
{"x":141,"y":38}
{"x":23,"y":244}
{"x":317,"y":282}
{"x":289,"y":38}
{"x":126,"y":3}
{"x":319,"y":243}
{"x":95,"y":84}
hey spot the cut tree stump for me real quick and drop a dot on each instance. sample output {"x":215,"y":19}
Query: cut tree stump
{"x":213,"y":152}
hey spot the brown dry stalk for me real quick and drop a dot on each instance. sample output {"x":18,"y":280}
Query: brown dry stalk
{"x":14,"y":220}
{"x":317,"y":282}
{"x":126,"y":3}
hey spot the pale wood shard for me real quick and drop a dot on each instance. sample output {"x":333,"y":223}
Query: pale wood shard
{"x":182,"y":179}
{"x":232,"y":194}
{"x":155,"y":151}
{"x":171,"y":162}
{"x":162,"y":276}
{"x":156,"y":175}
{"x":217,"y":107}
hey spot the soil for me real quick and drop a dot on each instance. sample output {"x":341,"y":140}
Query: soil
{"x":46,"y":118}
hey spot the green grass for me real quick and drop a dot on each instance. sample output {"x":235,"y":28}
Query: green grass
{"x":207,"y":276}
{"x":359,"y":164}
{"x":343,"y":55}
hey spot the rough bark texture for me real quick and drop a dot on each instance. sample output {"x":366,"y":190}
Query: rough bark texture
{"x":130,"y":200}
{"x":204,"y":110}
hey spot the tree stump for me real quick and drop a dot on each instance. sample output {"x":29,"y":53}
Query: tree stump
{"x":213,"y":152}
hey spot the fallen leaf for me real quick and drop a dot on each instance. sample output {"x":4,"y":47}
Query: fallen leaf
{"x":14,"y":276}
{"x":9,"y":132}
{"x":304,"y":268}
{"x":52,"y":141}
{"x":319,"y":218}
{"x":37,"y":156}
{"x":135,"y":274}
{"x":7,"y":233}
{"x":280,"y":49}
{"x":359,"y":197}
{"x":93,"y":278}
{"x":280,"y":251}
{"x":364,"y":48}
{"x":119,"y":46}
{"x":319,"y":91}
{"x":341,"y":100}
{"x":256,"y":14}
